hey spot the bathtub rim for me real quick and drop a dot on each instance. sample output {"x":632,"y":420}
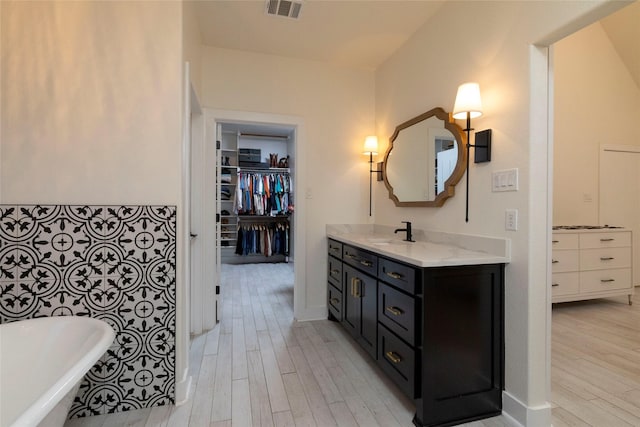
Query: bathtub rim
{"x":38,"y":409}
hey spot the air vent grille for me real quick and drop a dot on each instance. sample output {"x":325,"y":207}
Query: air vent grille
{"x":284,"y":8}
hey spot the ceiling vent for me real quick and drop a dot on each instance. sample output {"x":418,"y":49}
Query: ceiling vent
{"x":284,"y":8}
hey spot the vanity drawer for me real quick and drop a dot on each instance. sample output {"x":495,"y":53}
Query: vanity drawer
{"x":605,"y":280}
{"x":605,"y":240}
{"x":564,"y":260}
{"x":398,"y":360}
{"x":597,"y":259}
{"x":334,"y":302}
{"x":361,"y":259}
{"x":334,"y":273}
{"x":565,"y":283}
{"x":335,"y":249}
{"x":565,"y":241}
{"x":399,"y":275}
{"x":397,"y":311}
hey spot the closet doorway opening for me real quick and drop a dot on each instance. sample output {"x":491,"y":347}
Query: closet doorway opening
{"x":256,"y":215}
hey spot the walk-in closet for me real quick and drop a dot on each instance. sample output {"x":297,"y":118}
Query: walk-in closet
{"x":255,"y":204}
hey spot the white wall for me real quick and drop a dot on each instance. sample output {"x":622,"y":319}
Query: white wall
{"x":596,"y":102}
{"x":491,"y":43}
{"x":336,"y":106}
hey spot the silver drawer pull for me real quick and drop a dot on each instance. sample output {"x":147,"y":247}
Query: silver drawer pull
{"x":394,"y":275}
{"x":348,"y":255}
{"x":334,"y":249}
{"x":554,"y":261}
{"x":607,"y":280}
{"x":606,"y":258}
{"x":366,"y":263}
{"x":607,"y":240}
{"x":395,"y":310}
{"x":394,"y":357}
{"x":555,"y":285}
{"x":334,"y":272}
{"x":334,"y":301}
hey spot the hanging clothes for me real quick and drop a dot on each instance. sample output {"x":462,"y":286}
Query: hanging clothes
{"x":265,"y":193}
{"x":263,"y":239}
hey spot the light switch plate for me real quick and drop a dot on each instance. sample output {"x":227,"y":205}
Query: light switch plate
{"x":504,"y":180}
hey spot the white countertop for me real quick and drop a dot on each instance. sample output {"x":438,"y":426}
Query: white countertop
{"x":431,"y":248}
{"x":591,"y":230}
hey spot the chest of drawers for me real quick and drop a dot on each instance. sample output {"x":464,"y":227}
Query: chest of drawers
{"x":591,"y":264}
{"x":436,"y":332}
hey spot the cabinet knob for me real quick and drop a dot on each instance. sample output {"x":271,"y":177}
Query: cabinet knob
{"x":393,"y":356}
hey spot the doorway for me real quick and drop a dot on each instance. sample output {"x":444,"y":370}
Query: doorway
{"x":254,"y":123}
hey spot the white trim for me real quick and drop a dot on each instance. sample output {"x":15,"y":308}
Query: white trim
{"x":182,"y":390}
{"x":620,"y":148}
{"x":300,"y":310}
{"x":312,"y":313}
{"x":517,"y":414}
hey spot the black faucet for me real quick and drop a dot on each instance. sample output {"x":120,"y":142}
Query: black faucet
{"x":408,"y":230}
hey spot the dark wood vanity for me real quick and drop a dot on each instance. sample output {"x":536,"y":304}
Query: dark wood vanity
{"x":437,"y":332}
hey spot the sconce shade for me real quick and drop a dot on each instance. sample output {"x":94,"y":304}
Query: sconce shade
{"x":468,"y":101}
{"x":371,"y":145}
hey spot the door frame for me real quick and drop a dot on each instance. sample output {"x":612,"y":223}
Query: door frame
{"x":215,"y":116}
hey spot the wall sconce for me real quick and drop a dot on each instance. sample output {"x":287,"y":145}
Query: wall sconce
{"x":468,"y":106}
{"x":371,"y":148}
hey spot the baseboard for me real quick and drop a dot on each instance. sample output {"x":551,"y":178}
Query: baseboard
{"x":182,"y":390}
{"x":517,"y":414}
{"x":312,"y":313}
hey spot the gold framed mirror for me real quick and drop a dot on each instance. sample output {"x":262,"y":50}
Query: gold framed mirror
{"x":425,"y":160}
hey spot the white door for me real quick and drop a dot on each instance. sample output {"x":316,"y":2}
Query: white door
{"x":620,"y":194}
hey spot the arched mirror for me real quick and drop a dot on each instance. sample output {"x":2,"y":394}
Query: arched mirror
{"x":425,"y":160}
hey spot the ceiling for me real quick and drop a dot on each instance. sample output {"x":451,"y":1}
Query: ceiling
{"x":353,"y":33}
{"x":357,"y":33}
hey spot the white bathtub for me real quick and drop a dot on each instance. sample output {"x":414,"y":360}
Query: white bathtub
{"x":42,"y":361}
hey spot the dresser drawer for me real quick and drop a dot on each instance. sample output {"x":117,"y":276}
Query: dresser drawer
{"x":604,"y":280}
{"x":596,"y":259}
{"x":360,"y":259}
{"x":564,"y":260}
{"x":565,"y":241}
{"x":397,"y":311}
{"x":401,"y":276}
{"x":605,"y":240}
{"x":335,"y":249}
{"x":398,"y":360}
{"x":334,"y":273}
{"x":565,"y":283}
{"x":334,"y":302}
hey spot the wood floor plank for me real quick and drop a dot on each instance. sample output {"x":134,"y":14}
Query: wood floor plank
{"x":203,"y":395}
{"x":277,"y":394}
{"x":342,"y":414}
{"x":260,"y":404}
{"x":300,"y":409}
{"x":221,"y":405}
{"x":284,"y":419}
{"x":239,"y":352}
{"x":159,"y":416}
{"x":213,"y":338}
{"x":241,"y":404}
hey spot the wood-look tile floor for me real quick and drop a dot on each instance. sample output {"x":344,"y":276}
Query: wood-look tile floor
{"x":258,"y":367}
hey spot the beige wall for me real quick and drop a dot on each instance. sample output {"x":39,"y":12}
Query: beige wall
{"x":596,"y":102}
{"x":336,"y":106}
{"x":91,"y":102}
{"x":491,"y":43}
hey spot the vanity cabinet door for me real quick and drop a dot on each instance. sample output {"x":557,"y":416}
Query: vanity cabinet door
{"x":360,"y":305}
